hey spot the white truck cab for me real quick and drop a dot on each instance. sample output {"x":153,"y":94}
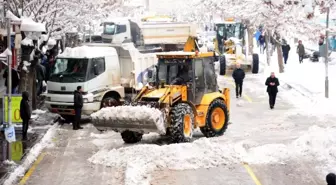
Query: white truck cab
{"x":146,"y":34}
{"x":96,"y":69}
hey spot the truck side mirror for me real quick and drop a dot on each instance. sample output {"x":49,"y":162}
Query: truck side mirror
{"x":150,"y":73}
{"x":95,"y":70}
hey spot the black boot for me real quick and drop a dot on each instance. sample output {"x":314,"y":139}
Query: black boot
{"x":74,"y":126}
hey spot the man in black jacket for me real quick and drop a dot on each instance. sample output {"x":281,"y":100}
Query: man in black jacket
{"x":25,"y":113}
{"x":285,"y":51}
{"x":272,"y":84}
{"x":78,"y":104}
{"x":238,"y":76}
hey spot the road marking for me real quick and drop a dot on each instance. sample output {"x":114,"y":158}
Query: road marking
{"x":32,"y":169}
{"x":251,"y":173}
{"x":247,"y":98}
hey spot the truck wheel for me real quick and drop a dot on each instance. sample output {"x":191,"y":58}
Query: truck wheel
{"x":255,"y":63}
{"x":131,"y":137}
{"x":222,"y":65}
{"x":109,"y":102}
{"x":216,"y":120}
{"x":182,"y":123}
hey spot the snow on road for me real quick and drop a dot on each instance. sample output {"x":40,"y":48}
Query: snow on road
{"x":142,"y":160}
{"x":257,"y":135}
{"x":313,"y":145}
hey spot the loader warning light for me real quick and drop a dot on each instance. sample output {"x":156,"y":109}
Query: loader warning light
{"x":229,"y":19}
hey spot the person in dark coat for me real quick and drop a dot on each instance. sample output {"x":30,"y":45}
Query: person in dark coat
{"x":285,"y":51}
{"x":40,"y":77}
{"x":25,"y":113}
{"x":331,"y":179}
{"x":272,"y":84}
{"x":300,"y":51}
{"x":15,"y":80}
{"x":78,"y":104}
{"x":262,"y":43}
{"x":238,"y":76}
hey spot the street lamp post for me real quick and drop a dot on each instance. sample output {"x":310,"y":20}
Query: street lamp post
{"x":9,"y":77}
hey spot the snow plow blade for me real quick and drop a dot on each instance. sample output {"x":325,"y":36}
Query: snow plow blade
{"x":141,"y":119}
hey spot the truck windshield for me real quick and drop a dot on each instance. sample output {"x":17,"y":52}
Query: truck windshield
{"x":109,"y":28}
{"x":69,"y":70}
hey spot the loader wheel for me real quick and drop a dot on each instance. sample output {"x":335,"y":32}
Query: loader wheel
{"x":216,"y":120}
{"x":131,"y":137}
{"x":222,"y":65}
{"x":255,"y":63}
{"x":182,"y":123}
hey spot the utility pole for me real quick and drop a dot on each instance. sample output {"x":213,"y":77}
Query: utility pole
{"x":326,"y":56}
{"x":9,"y":78}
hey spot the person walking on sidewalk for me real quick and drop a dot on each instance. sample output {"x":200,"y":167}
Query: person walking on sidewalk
{"x":285,"y":51}
{"x":272,"y":84}
{"x":262,"y":43}
{"x":25,"y":113}
{"x":238,"y":76}
{"x":300,"y":51}
{"x":78,"y":104}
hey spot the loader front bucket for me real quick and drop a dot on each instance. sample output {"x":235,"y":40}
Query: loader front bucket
{"x":141,"y":119}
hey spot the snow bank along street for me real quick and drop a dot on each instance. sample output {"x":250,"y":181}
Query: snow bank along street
{"x":287,"y":145}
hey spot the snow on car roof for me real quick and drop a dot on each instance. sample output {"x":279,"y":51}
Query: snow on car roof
{"x":88,"y":52}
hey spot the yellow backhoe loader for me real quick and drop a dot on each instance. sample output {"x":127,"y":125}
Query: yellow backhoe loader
{"x":232,"y":45}
{"x":183,"y":95}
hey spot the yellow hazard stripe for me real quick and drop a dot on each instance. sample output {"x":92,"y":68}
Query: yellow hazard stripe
{"x":32,"y":169}
{"x":251,"y":173}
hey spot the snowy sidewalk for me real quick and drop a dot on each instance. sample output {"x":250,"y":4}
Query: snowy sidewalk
{"x":39,"y":134}
{"x":307,"y":78}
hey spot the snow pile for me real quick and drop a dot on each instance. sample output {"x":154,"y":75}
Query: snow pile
{"x":140,"y":160}
{"x":32,"y":156}
{"x":5,"y":54}
{"x":107,"y":140}
{"x":105,"y":135}
{"x":88,"y":52}
{"x":27,"y":42}
{"x":42,"y":117}
{"x":39,"y":111}
{"x":321,"y":107}
{"x":133,"y":114}
{"x":316,"y":145}
{"x":28,"y":25}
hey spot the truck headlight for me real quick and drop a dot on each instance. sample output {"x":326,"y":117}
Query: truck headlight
{"x":85,"y":100}
{"x":97,"y":98}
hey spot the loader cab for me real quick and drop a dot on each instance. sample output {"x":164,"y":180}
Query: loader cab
{"x":227,"y":30}
{"x":197,"y":71}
